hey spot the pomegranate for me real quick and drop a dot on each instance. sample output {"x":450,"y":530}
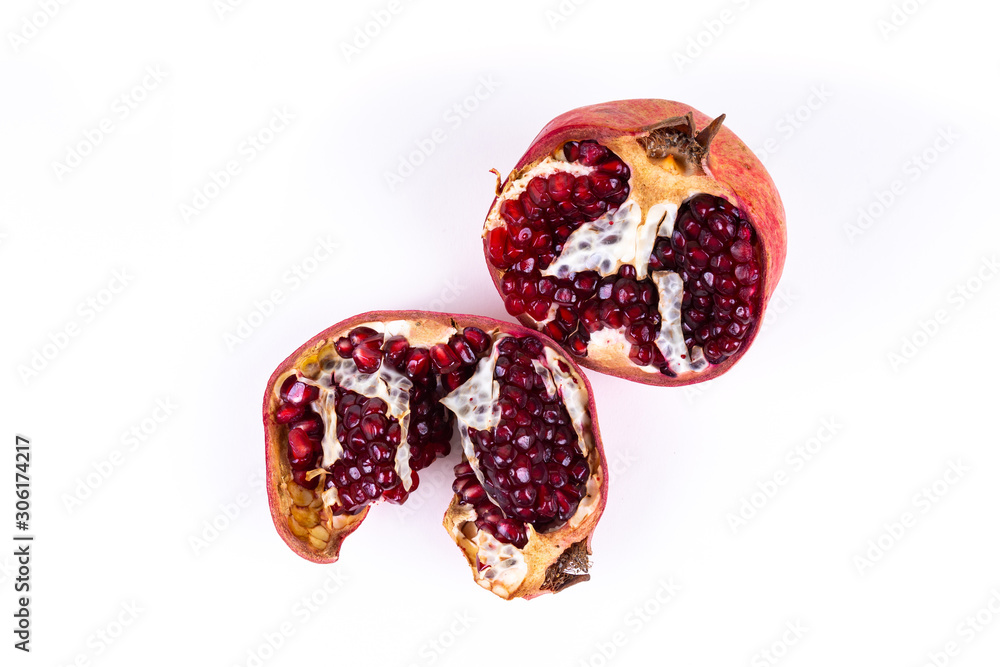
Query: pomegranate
{"x":641,"y":235}
{"x":353,"y":415}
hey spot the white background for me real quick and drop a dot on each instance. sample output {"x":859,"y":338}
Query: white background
{"x":839,"y":102}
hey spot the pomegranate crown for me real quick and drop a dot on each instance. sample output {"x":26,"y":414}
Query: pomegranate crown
{"x":676,"y":136}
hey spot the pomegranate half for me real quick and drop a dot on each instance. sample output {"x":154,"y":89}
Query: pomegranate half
{"x":352,"y":416}
{"x":641,"y":235}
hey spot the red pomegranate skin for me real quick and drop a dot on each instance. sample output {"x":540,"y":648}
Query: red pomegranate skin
{"x":729,"y":162}
{"x":546,"y":555}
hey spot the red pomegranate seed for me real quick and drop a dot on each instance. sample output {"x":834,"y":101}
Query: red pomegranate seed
{"x":511,"y":212}
{"x":288,"y":413}
{"x":310,"y":423}
{"x":496,"y":241}
{"x":368,"y":355}
{"x":554,"y":331}
{"x":286,"y":385}
{"x":577,"y":345}
{"x":418,"y":364}
{"x":537,"y":190}
{"x":396,"y":495}
{"x":361,"y":334}
{"x":478,"y":340}
{"x":539,"y":309}
{"x":515,"y":305}
{"x":444,"y":359}
{"x":396,"y":350}
{"x":344,"y":347}
{"x":571,"y":150}
{"x":592,"y":153}
{"x":560,"y":186}
{"x":300,"y":446}
{"x":460,"y":346}
{"x":301,"y":393}
{"x":521,"y":237}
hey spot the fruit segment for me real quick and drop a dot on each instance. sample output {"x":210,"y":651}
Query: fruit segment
{"x":646,"y":247}
{"x":354,"y":415}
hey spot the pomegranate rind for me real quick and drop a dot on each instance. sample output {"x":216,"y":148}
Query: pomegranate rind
{"x":738,"y":174}
{"x":542,"y":552}
{"x":546,"y":554}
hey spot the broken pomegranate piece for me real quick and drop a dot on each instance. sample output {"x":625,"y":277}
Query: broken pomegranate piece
{"x":646,"y":247}
{"x":352,"y":416}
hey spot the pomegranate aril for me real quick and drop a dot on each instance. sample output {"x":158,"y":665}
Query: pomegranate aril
{"x":604,"y":186}
{"x":368,"y":355}
{"x":537,"y":190}
{"x":396,"y":494}
{"x":590,"y":316}
{"x":462,"y":349}
{"x":565,"y":295}
{"x":582,"y":194}
{"x":625,"y":291}
{"x":477,"y":339}
{"x":374,"y":426}
{"x":746,"y":274}
{"x":614,"y":167}
{"x":611,"y":314}
{"x":396,"y":350}
{"x":510,"y":211}
{"x":726,"y":286}
{"x":311,"y":424}
{"x":595,"y":210}
{"x":640,"y":332}
{"x":286,"y":386}
{"x":344,"y":347}
{"x":532,"y":212}
{"x":509,"y":283}
{"x":577,"y":345}
{"x":741,"y":251}
{"x":592,"y":153}
{"x":301,"y":449}
{"x":521,"y":237}
{"x":560,"y":186}
{"x":585,"y":282}
{"x":301,"y":393}
{"x":496,"y":242}
{"x":453,"y":381}
{"x":539,"y":309}
{"x":566,"y":317}
{"x":571,"y":150}
{"x":515,"y":305}
{"x":554,"y":331}
{"x":288,"y":413}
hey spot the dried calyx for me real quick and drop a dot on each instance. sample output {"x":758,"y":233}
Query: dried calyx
{"x":354,"y":415}
{"x":647,"y":249}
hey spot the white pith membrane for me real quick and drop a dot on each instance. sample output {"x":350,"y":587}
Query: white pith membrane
{"x":502,"y":567}
{"x":622,"y":237}
{"x":386,"y":384}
